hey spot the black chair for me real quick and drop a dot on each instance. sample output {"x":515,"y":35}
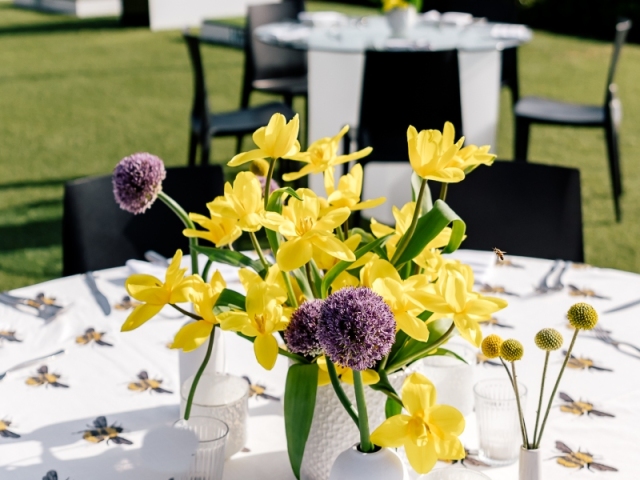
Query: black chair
{"x":205,"y":125}
{"x":530,"y":110}
{"x":501,"y":11}
{"x":522,"y":208}
{"x":423,"y":92}
{"x":281,"y":71}
{"x":97,"y":234}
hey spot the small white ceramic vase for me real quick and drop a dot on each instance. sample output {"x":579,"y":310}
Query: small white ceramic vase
{"x":401,"y":21}
{"x":352,"y":464}
{"x":530,"y":466}
{"x":189,"y":362}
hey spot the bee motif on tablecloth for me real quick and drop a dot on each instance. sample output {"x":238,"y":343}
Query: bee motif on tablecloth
{"x":580,"y":459}
{"x":51,"y":475}
{"x":145,"y":383}
{"x":482,"y":359}
{"x":469,"y":459}
{"x":43,"y":377}
{"x":257,"y":390}
{"x":499,"y":253}
{"x":100,"y":431}
{"x":494,"y":322}
{"x":583,"y":363}
{"x":9,"y":336}
{"x":43,"y":299}
{"x":126,"y":303}
{"x":4,"y":430}
{"x":90,"y":335}
{"x":580,"y":408}
{"x":585,"y":292}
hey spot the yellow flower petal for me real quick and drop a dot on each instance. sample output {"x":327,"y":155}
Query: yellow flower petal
{"x":445,"y":421}
{"x":412,"y":326}
{"x":266,"y":350}
{"x":449,"y":449}
{"x":192,"y":335}
{"x":246,"y":157}
{"x":139,"y":283}
{"x":140,"y":315}
{"x":333,"y":247}
{"x":392,"y":433}
{"x":421,"y":458}
{"x":294,"y":254}
{"x":418,"y":393}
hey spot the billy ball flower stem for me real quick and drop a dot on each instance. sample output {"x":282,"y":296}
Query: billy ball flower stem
{"x":363,"y":423}
{"x":544,"y":375}
{"x":515,"y":390}
{"x":555,"y":388}
{"x":404,"y":241}
{"x":182,"y":215}
{"x":525,"y":436}
{"x":196,"y":379}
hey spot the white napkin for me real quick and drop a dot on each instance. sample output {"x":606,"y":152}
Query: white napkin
{"x":431,"y":16}
{"x":289,"y":32}
{"x":323,"y":19}
{"x":510,"y":31}
{"x":459,"y":19}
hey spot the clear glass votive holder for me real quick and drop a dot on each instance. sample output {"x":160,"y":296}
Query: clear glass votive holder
{"x":221,"y":396}
{"x":454,"y":473}
{"x":498,"y":421}
{"x":208,"y":461}
{"x":453,"y":378}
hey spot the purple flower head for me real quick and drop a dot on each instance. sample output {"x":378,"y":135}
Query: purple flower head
{"x":356,"y":328}
{"x":137,"y":180}
{"x":302,"y":332}
{"x":263,"y":182}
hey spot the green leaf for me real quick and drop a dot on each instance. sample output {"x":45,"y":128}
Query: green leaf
{"x":341,"y":266}
{"x":429,"y":226}
{"x":416,"y":182}
{"x":385,"y":387}
{"x":303,"y":283}
{"x":443,"y":352}
{"x":231,"y":298}
{"x":299,"y":404}
{"x":230,"y":257}
{"x":392,"y":408}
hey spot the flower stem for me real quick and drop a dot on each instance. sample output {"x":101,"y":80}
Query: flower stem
{"x":416,"y":356}
{"x":404,"y":241}
{"x":444,"y":189}
{"x":293,"y":301}
{"x":184,"y":312}
{"x":205,"y":272}
{"x":258,"y":249}
{"x":184,"y":216}
{"x":555,"y":387}
{"x":335,"y":382}
{"x":363,"y":418}
{"x":267,"y":184}
{"x":196,"y":379}
{"x":525,"y":439}
{"x":544,"y":375}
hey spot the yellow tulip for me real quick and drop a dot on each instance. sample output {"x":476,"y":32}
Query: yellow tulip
{"x":264,"y":317}
{"x":403,"y":218}
{"x":433,"y":155}
{"x":218,"y":230}
{"x":322,"y":156}
{"x":304,"y":228}
{"x":391,"y":4}
{"x":274,"y":283}
{"x":194,"y":334}
{"x":278,"y":139}
{"x":349,"y":191}
{"x":427,"y":432}
{"x":402,"y":296}
{"x":455,"y":298}
{"x":241,"y":202}
{"x":369,"y":376}
{"x":154,"y":294}
{"x":473,"y":156}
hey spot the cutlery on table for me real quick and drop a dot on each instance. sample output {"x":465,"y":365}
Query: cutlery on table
{"x":623,"y":347}
{"x":623,"y":306}
{"x":543,"y":286}
{"x":97,"y":294}
{"x":558,"y":285}
{"x":28,"y":363}
{"x":45,"y":311}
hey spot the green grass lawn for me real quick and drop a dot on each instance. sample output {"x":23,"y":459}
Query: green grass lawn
{"x":78,"y":95}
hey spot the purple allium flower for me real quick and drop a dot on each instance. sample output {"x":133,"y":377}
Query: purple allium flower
{"x":302,"y":332}
{"x":137,"y":180}
{"x":263,"y":182}
{"x":356,"y":328}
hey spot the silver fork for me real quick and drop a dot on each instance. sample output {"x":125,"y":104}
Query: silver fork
{"x":623,"y":347}
{"x":543,"y":286}
{"x":28,"y":363}
{"x":44,"y":310}
{"x":558,"y":285}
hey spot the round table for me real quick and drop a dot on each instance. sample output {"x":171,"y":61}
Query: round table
{"x":50,"y":420}
{"x":336,"y":56}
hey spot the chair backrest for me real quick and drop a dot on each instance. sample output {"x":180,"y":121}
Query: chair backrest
{"x":522,"y":208}
{"x":264,"y":61}
{"x":622,"y":30}
{"x":200,"y":107}
{"x":97,"y":234}
{"x":406,"y":88}
{"x":503,"y":11}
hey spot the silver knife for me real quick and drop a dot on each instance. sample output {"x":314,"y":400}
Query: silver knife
{"x":98,"y":295}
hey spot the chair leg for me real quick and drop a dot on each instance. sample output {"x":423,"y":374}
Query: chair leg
{"x":614,"y":167}
{"x":205,"y":151}
{"x":239,"y":144}
{"x":193,"y":148}
{"x":522,"y":139}
{"x":288,"y":100}
{"x":306,"y":121}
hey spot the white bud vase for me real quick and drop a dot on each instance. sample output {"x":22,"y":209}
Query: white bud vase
{"x":352,"y":464}
{"x":190,"y":361}
{"x":530,"y":465}
{"x":401,"y":21}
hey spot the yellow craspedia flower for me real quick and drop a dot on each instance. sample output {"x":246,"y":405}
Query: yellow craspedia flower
{"x":582,"y":316}
{"x":548,"y":339}
{"x":511,"y":350}
{"x":491,"y":346}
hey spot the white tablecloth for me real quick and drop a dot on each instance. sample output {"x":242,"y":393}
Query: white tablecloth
{"x":48,"y":419}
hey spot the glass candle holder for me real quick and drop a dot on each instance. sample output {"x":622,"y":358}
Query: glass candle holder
{"x":208,"y":461}
{"x":224,"y":397}
{"x":453,"y":378}
{"x":454,"y":473}
{"x":498,"y":421}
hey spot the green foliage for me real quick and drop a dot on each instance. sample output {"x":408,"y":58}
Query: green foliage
{"x":230,"y":257}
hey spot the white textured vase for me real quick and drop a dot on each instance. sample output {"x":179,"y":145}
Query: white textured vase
{"x":530,"y":466}
{"x":401,"y":21}
{"x":332,"y":429}
{"x":352,"y":464}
